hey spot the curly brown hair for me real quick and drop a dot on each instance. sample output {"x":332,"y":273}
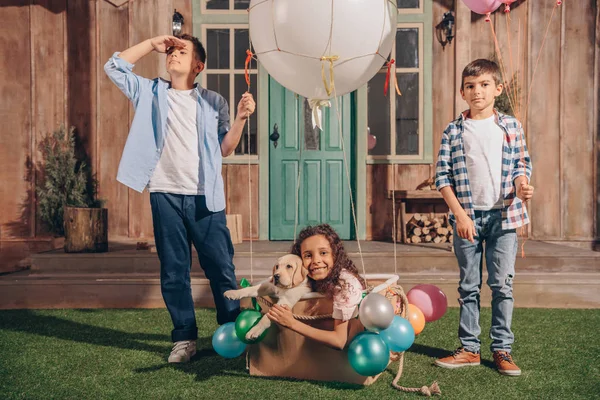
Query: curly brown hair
{"x":330,"y":285}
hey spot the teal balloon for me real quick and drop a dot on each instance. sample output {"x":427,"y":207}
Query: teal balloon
{"x":399,"y":336}
{"x":226,"y":343}
{"x":244,"y":322}
{"x":368,"y":354}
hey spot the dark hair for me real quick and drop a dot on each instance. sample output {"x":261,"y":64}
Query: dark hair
{"x":199,"y":51}
{"x":330,"y":285}
{"x":480,"y":67}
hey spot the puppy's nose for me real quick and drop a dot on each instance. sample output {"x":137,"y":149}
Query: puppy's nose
{"x":276,"y":278}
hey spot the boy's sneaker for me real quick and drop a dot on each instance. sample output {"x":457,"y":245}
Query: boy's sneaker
{"x":182,"y":351}
{"x":460,"y":358}
{"x":505,"y":364}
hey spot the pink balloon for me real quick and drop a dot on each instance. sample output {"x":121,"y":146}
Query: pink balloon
{"x":430,"y":300}
{"x":483,"y":6}
{"x":372,"y":141}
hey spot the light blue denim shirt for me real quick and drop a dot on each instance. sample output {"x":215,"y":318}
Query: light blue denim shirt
{"x":146,"y":138}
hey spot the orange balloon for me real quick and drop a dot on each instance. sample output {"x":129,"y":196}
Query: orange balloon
{"x":416,"y":318}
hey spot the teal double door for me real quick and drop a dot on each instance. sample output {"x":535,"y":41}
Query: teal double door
{"x":294,"y":145}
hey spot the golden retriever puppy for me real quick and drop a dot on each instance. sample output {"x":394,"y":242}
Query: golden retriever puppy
{"x":288,"y":283}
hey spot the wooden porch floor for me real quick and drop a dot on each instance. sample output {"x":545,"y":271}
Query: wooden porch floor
{"x":549,"y":276}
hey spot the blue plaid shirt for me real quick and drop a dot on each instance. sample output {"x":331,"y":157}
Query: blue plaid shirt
{"x":451,"y":168}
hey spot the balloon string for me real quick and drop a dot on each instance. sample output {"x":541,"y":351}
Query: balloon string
{"x":246,"y":68}
{"x":331,"y":59}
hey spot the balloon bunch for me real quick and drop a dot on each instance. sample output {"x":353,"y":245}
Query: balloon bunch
{"x":229,"y":340}
{"x":369,"y":351}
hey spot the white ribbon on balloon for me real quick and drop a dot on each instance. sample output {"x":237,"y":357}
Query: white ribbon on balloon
{"x":316,"y":105}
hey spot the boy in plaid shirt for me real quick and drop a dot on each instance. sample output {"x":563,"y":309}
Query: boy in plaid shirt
{"x":483,"y":172}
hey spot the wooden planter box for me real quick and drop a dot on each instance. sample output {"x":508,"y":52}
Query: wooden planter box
{"x":86,"y":230}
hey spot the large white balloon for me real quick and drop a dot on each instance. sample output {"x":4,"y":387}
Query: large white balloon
{"x":296,"y":39}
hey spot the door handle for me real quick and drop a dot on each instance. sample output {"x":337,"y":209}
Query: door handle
{"x":274,"y":137}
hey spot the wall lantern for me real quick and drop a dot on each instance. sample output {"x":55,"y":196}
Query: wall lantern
{"x":177,"y":23}
{"x":444,"y":31}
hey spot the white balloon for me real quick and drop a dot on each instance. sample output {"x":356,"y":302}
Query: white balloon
{"x":290,"y":37}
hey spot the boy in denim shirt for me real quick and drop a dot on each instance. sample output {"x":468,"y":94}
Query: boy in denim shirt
{"x":176,"y":143}
{"x":483,"y":172}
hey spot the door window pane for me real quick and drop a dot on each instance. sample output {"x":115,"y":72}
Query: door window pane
{"x":379,"y":115}
{"x":217,"y":4}
{"x":407,"y":48}
{"x":408,"y":3}
{"x":241,"y":4}
{"x":217,"y":48}
{"x":312,"y":136}
{"x":407,"y":115}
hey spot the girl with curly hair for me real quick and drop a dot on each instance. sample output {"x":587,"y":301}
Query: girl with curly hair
{"x":331,"y":273}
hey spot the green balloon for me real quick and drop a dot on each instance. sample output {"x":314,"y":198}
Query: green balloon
{"x":244,"y":322}
{"x":368,"y":354}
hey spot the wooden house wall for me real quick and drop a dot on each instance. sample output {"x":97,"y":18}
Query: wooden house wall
{"x":53,"y":52}
{"x":561,"y":123}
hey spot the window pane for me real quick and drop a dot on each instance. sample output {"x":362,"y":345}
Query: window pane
{"x":407,"y":48}
{"x":312,"y":136}
{"x":407,"y":115}
{"x":241,"y":45}
{"x":217,"y":48}
{"x":217,"y":4}
{"x":240,"y":88}
{"x":219,"y":83}
{"x":241,"y":4}
{"x":408,"y":3}
{"x":379,"y":115}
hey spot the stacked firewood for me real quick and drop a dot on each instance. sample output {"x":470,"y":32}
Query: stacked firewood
{"x":432,"y":228}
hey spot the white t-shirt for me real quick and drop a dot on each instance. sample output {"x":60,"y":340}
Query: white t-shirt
{"x":483,"y":140}
{"x":179,"y":169}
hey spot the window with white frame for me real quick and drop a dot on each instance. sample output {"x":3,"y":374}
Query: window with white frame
{"x":224,"y":6}
{"x":224,"y":73}
{"x":397,"y":121}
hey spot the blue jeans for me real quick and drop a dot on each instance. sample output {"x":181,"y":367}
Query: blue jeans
{"x":500,"y":255}
{"x":179,"y":221}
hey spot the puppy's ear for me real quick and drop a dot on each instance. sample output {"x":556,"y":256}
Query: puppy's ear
{"x":299,"y":272}
{"x":304,"y":271}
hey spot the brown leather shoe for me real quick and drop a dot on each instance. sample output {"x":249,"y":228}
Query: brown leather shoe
{"x":505,"y":364}
{"x":460,"y":358}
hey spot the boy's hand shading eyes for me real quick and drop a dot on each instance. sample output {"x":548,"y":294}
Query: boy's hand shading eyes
{"x":524,"y":191}
{"x":162,"y":43}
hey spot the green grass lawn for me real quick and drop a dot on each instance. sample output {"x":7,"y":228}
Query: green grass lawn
{"x":121,"y":354}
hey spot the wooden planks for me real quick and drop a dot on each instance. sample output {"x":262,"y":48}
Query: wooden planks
{"x":577,"y":130}
{"x":147,"y":19}
{"x":112,"y":117}
{"x":16,"y":188}
{"x":543,"y":122}
{"x":236,"y":192}
{"x":48,"y":92}
{"x":444,"y":88}
{"x":81,"y":72}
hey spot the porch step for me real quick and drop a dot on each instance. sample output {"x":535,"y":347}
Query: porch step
{"x":42,"y":291}
{"x":549,"y":275}
{"x":378,"y":257}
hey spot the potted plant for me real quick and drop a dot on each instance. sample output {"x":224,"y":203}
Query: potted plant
{"x":66,"y":196}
